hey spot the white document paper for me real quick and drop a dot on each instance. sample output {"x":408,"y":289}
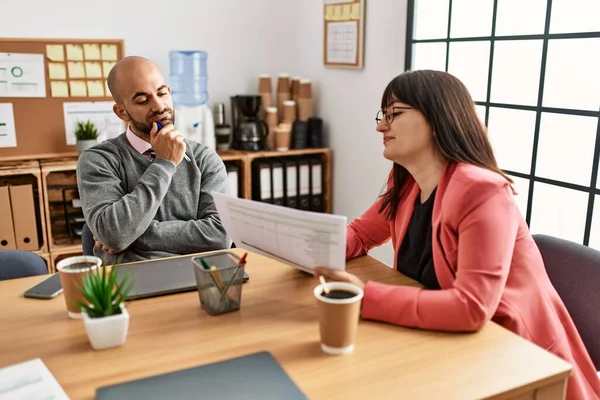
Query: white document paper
{"x":342,"y":42}
{"x":302,"y":239}
{"x":8,"y":134}
{"x":99,"y":112}
{"x":30,"y":380}
{"x":22,"y":75}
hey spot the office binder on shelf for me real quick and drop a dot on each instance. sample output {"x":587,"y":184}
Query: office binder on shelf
{"x":303,"y":184}
{"x":316,"y":185}
{"x":277,"y":194}
{"x":261,"y":181}
{"x":7,"y":228}
{"x":23,"y":211}
{"x":290,"y":182}
{"x":233,"y":179}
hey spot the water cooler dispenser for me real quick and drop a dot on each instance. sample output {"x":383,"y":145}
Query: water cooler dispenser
{"x":188,"y":80}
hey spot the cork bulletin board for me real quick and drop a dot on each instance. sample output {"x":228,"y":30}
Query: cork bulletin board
{"x":343,"y":33}
{"x":45,"y":81}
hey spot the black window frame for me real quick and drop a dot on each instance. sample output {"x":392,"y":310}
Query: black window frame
{"x":591,"y":190}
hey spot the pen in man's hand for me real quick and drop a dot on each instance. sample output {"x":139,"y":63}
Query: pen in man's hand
{"x":159,"y":125}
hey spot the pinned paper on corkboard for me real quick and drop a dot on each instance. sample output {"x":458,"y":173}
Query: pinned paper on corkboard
{"x":344,"y":31}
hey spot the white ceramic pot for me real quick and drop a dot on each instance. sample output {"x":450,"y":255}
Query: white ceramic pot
{"x":107,"y":332}
{"x":83,"y":145}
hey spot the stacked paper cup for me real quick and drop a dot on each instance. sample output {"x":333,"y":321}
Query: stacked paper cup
{"x":272,"y":122}
{"x":284,"y":92}
{"x":265,"y":90}
{"x":305,"y":100}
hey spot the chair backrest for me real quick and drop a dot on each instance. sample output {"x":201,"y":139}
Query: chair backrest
{"x":574,"y":270}
{"x":87,"y":240}
{"x":20,"y":264}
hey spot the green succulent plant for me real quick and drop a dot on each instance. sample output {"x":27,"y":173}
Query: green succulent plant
{"x":103,"y":291}
{"x":85,"y":130}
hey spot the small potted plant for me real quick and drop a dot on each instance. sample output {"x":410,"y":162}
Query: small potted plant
{"x":105,"y":317}
{"x":86,"y":135}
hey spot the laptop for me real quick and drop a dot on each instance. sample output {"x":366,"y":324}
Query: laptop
{"x":169,"y":275}
{"x":255,"y":376}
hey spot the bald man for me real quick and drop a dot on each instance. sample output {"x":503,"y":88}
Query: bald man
{"x":147,"y":193}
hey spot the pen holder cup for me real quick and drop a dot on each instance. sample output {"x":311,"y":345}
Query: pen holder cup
{"x":220,"y":290}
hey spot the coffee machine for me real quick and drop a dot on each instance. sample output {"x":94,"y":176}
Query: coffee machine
{"x":249,"y":131}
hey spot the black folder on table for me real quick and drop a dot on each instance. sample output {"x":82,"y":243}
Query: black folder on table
{"x":304,"y":184}
{"x":277,"y":193}
{"x":255,"y":376}
{"x":316,"y":185}
{"x":261,"y":181}
{"x":290,"y":182}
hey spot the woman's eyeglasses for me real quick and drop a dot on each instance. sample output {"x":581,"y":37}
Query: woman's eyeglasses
{"x":389,"y":118}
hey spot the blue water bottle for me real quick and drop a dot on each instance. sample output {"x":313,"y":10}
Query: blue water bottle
{"x":188,"y":77}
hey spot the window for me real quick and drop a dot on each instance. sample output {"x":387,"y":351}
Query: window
{"x":533,"y":69}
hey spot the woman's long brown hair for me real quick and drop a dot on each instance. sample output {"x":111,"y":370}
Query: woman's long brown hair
{"x":460,"y":136}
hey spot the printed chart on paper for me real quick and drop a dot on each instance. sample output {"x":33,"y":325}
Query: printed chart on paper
{"x":303,"y":239}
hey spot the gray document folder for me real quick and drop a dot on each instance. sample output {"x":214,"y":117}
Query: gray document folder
{"x":255,"y":376}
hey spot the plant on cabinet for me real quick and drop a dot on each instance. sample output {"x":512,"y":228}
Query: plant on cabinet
{"x":86,"y":135}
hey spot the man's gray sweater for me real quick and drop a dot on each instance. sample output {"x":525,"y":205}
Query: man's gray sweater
{"x":143,"y":209}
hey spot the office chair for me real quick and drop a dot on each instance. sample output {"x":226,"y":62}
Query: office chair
{"x":574,"y":271}
{"x":87,"y":240}
{"x":16,"y":264}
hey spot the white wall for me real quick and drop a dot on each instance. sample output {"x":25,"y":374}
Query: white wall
{"x":240,"y":45}
{"x":245,"y":38}
{"x":349,"y":99}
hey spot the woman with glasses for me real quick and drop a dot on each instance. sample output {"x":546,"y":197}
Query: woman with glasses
{"x":455,"y":227}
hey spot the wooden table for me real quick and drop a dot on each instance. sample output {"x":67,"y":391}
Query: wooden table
{"x":279,"y":315}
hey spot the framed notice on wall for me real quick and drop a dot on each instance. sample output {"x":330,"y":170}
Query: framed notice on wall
{"x":343,"y":33}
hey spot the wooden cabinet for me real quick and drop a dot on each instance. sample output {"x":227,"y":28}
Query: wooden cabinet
{"x":54,"y":183}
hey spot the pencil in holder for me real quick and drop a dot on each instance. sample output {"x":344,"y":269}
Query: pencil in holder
{"x":219,"y":288}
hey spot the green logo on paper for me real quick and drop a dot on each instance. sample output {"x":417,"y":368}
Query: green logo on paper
{"x":17,"y":72}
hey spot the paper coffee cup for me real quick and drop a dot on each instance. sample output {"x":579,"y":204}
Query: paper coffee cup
{"x":283,"y":137}
{"x":289,"y":112}
{"x":283,"y":83}
{"x":295,"y":87}
{"x":305,"y":109}
{"x":264,"y":84}
{"x":305,"y":89}
{"x":71,"y":271}
{"x":272,"y":120}
{"x":338,"y":317}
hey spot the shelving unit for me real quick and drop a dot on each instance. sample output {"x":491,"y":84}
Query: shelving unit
{"x":55,"y":182}
{"x":59,"y":179}
{"x":245,"y":161}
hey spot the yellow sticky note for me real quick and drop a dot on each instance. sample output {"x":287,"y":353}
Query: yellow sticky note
{"x":328,"y":12}
{"x":78,"y":89}
{"x":93,"y":70}
{"x":355,"y":12}
{"x":95,"y":89}
{"x":59,"y":89}
{"x":55,"y":52}
{"x":57,"y":71}
{"x":109,"y":52}
{"x":76,"y":70}
{"x":107,"y":66}
{"x":74,"y":52}
{"x":91,"y":51}
{"x":346,"y":11}
{"x":337,"y":12}
{"x":106,"y":89}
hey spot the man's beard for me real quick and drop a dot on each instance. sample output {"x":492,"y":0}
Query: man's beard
{"x":145,"y":127}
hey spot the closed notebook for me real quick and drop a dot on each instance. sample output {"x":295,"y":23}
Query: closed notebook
{"x":255,"y":376}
